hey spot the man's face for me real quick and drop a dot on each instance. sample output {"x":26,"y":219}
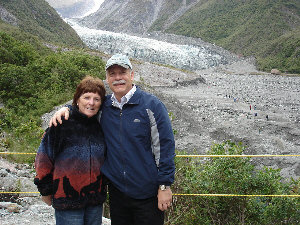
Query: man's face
{"x":119,"y":80}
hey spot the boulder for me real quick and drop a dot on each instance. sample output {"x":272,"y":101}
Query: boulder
{"x":10,"y":207}
{"x":275,"y":72}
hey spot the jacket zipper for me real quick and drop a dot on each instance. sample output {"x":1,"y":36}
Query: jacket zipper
{"x":90,"y":161}
{"x":123,"y":155}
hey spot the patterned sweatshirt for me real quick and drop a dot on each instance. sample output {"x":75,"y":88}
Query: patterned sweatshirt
{"x":68,"y":163}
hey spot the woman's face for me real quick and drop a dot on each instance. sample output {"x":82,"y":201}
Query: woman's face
{"x":89,"y":103}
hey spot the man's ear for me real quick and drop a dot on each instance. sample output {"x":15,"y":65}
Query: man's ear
{"x":132,"y":75}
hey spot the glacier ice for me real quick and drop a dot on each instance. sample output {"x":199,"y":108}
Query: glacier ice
{"x":187,"y":57}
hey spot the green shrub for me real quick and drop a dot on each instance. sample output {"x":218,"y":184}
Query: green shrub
{"x":33,"y":82}
{"x":222,"y":175}
{"x":15,"y":52}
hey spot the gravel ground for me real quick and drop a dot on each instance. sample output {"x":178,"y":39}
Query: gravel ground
{"x":213,"y":105}
{"x":208,"y":106}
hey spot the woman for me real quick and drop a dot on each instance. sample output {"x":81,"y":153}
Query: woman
{"x":69,"y":159}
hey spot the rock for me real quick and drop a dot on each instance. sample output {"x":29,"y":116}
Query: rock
{"x":3,"y":173}
{"x":14,"y":207}
{"x":11,"y":207}
{"x":7,"y":17}
{"x":41,"y":209}
{"x":26,"y":201}
{"x":10,"y":182}
{"x":47,"y":116}
{"x":275,"y":72}
{"x":4,"y":205}
{"x":23,"y":173}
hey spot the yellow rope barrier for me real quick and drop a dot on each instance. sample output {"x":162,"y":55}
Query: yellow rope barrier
{"x":235,"y":195}
{"x":207,"y":195}
{"x":18,"y":192}
{"x":203,"y":156}
{"x":19,"y":153}
{"x":237,"y":156}
{"x":233,"y":156}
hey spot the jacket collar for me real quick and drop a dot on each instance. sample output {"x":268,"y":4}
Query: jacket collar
{"x":80,"y":116}
{"x":135,"y":99}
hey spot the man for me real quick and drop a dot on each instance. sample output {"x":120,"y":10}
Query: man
{"x":140,"y":149}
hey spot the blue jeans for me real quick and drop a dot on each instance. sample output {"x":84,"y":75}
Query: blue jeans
{"x":91,"y":215}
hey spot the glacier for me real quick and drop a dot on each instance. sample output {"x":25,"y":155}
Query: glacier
{"x":187,"y":57}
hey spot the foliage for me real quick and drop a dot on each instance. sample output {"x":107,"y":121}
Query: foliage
{"x":283,"y":53}
{"x":33,"y":82}
{"x":172,"y":117}
{"x":15,"y":52}
{"x":222,"y":175}
{"x":249,"y":28}
{"x":38,"y":18}
{"x":23,"y":36}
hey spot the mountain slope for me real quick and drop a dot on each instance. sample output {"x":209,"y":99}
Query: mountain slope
{"x":247,"y":27}
{"x":124,"y":15}
{"x":256,"y":27}
{"x":136,"y":16}
{"x":38,"y":18}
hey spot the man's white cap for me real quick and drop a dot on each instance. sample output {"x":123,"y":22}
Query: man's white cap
{"x":118,"y":59}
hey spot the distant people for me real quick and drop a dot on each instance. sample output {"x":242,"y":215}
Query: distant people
{"x":140,"y":149}
{"x":250,"y":107}
{"x":69,"y":159}
{"x":267,"y":117}
{"x":254,"y":107}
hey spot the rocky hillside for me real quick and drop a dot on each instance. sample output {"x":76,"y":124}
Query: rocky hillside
{"x":268,"y":30}
{"x":38,"y":18}
{"x":136,"y":17}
